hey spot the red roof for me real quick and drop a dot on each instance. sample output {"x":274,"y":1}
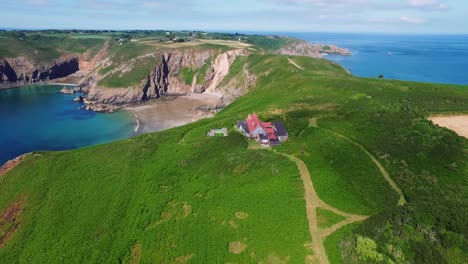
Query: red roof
{"x":268,"y":127}
{"x":253,"y":122}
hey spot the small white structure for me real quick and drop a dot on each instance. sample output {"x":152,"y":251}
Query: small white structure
{"x":218,"y":132}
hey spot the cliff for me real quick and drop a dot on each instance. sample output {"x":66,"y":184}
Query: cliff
{"x":155,"y":70}
{"x":166,"y":78}
{"x":22,"y":71}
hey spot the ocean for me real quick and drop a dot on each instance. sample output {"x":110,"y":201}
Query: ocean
{"x":422,"y":58}
{"x":36,"y":118}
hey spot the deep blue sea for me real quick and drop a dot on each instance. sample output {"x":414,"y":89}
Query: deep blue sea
{"x":435,"y":58}
{"x":38,"y":118}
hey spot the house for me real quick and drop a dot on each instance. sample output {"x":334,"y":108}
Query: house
{"x":266,"y":133}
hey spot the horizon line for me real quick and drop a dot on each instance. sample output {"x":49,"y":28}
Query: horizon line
{"x":241,"y":31}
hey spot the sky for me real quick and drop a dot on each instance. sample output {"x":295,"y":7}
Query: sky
{"x":360,"y":16}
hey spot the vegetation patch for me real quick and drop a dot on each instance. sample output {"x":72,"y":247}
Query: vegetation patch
{"x":335,"y":246}
{"x":187,"y":75}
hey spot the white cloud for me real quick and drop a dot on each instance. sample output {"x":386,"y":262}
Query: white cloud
{"x":412,"y":20}
{"x":428,"y":4}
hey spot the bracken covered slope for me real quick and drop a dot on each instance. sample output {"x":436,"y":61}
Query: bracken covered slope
{"x":180,"y":197}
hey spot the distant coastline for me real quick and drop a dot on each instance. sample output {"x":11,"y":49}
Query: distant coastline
{"x":419,"y":58}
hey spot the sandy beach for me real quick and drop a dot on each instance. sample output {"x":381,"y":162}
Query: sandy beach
{"x":162,"y":115}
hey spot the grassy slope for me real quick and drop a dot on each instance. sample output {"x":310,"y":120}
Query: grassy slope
{"x":43,"y":48}
{"x":102,"y":206}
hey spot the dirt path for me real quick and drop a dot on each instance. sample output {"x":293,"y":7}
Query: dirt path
{"x":293,"y":63}
{"x":312,"y":203}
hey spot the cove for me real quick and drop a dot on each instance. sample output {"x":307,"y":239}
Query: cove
{"x":39,"y":118}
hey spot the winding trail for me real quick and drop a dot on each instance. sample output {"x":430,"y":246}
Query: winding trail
{"x":293,"y":63}
{"x":312,"y":203}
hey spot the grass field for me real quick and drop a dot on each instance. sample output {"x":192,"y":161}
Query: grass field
{"x":43,"y":48}
{"x":179,"y":195}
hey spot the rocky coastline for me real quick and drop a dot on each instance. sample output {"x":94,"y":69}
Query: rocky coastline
{"x":304,"y":48}
{"x":15,"y":72}
{"x":163,"y":81}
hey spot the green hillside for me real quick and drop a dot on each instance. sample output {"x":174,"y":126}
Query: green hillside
{"x":178,"y":196}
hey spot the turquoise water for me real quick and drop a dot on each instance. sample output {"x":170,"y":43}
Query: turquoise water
{"x":434,"y":58}
{"x":38,"y":118}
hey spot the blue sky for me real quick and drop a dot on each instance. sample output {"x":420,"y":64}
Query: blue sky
{"x":383,"y":16}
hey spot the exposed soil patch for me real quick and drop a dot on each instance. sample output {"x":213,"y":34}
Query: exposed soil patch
{"x":310,"y":259}
{"x":183,"y":259}
{"x":458,"y":124}
{"x":9,"y":165}
{"x":9,"y":221}
{"x":242,"y":215}
{"x":275,"y":259}
{"x":236,"y":247}
{"x":136,"y":254}
{"x":174,"y":210}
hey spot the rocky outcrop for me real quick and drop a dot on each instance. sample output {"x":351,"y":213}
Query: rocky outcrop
{"x":220,"y":69}
{"x":65,"y":90}
{"x":9,"y":165}
{"x":165,"y":80}
{"x":21,"y":71}
{"x":236,"y":87}
{"x":303,"y":48}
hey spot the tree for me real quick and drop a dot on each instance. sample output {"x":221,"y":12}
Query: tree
{"x":381,"y":76}
{"x":367,"y":250}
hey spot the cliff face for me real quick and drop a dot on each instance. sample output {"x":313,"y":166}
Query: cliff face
{"x":165,"y":79}
{"x":7,"y":73}
{"x":21,"y":71}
